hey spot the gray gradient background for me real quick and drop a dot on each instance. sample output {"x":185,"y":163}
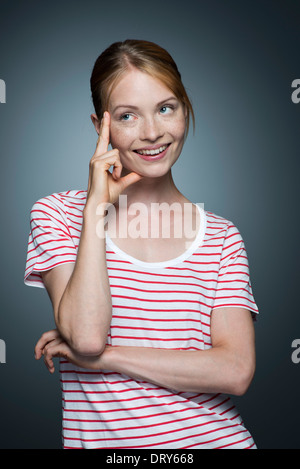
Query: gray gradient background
{"x":238,"y":60}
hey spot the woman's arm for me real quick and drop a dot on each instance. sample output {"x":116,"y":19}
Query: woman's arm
{"x":228,"y":367}
{"x":80,"y":293}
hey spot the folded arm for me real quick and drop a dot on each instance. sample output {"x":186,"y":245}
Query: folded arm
{"x":227,"y":367}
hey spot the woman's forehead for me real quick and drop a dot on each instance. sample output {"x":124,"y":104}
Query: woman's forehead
{"x":135,"y":85}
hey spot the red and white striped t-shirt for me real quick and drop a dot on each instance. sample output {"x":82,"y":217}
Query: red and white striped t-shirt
{"x":162,"y":305}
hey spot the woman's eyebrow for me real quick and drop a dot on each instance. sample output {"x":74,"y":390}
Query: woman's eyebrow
{"x":130,"y":106}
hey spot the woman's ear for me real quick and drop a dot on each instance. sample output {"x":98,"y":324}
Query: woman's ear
{"x":96,"y":122}
{"x":185,"y":110}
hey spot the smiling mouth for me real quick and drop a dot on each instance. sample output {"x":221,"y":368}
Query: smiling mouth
{"x":152,"y":152}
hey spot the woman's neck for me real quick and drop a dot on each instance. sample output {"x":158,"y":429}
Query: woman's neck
{"x":154,"y":190}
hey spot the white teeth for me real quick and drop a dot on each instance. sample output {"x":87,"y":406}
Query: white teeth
{"x":152,"y":152}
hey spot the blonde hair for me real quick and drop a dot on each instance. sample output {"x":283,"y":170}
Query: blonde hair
{"x":145,"y":56}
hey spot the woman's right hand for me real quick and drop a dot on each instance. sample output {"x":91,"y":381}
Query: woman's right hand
{"x":105,"y":187}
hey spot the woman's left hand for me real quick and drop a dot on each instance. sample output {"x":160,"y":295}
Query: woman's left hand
{"x":51,"y":345}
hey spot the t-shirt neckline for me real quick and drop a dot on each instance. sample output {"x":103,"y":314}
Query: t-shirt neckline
{"x":170,"y":262}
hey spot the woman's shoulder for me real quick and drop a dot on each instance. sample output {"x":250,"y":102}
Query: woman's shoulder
{"x":217,"y":220}
{"x":65,"y":201}
{"x":224,"y":232}
{"x":219,"y":225}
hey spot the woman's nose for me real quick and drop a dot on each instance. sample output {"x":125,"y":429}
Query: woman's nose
{"x":151,"y":130}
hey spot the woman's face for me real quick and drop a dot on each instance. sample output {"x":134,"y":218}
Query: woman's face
{"x":147,"y":124}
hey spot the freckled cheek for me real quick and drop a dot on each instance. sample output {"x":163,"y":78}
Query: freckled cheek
{"x":177,"y":128}
{"x":121,"y":138}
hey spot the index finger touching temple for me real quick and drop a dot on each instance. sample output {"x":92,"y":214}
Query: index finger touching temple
{"x":103,"y":139}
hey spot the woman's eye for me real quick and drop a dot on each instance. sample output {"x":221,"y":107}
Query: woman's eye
{"x":165,"y":109}
{"x":125,"y":117}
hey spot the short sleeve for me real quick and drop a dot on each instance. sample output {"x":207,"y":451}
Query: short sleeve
{"x":234,"y":285}
{"x":50,"y":243}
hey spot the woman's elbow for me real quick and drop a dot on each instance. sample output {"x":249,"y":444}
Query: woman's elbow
{"x":91,"y":346}
{"x":86,"y":340}
{"x":243,"y":379}
{"x":88,"y":343}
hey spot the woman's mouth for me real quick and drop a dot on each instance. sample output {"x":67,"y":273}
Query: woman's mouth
{"x":153,"y":154}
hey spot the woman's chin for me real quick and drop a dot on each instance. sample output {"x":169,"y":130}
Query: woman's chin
{"x":146,"y":172}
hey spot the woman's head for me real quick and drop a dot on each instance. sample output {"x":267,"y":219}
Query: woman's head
{"x":144,"y":56}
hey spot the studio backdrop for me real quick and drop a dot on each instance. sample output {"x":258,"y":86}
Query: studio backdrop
{"x":239,"y":62}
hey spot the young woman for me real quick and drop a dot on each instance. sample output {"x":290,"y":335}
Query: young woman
{"x":151,"y":293}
